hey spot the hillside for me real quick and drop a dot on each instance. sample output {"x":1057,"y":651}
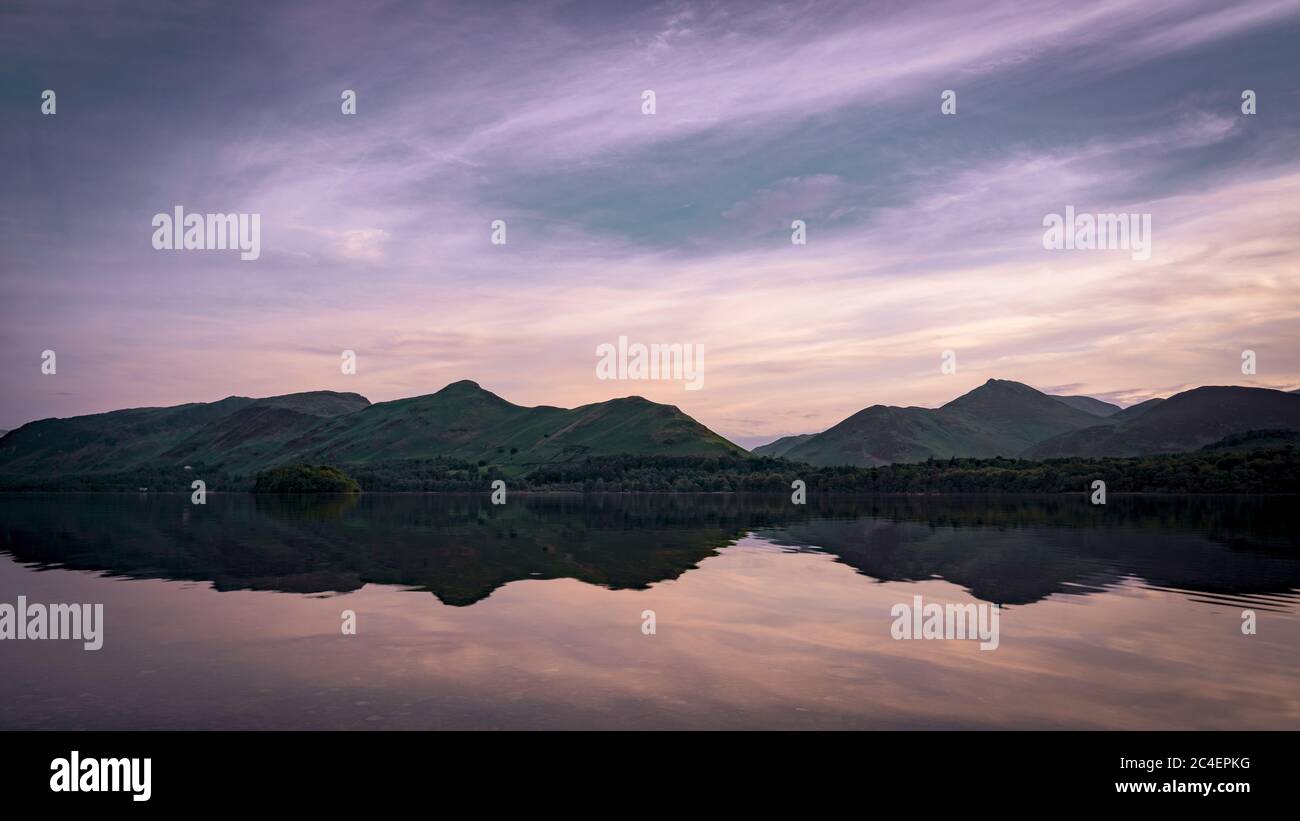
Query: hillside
{"x":124,"y":440}
{"x":999,"y":418}
{"x":1253,"y":440}
{"x":240,"y":437}
{"x":779,"y":447}
{"x":256,"y":435}
{"x":1134,"y":411}
{"x":459,"y":436}
{"x":1088,"y":405}
{"x":1010,"y":417}
{"x":464,"y":421}
{"x":107,"y":442}
{"x":1183,"y":422}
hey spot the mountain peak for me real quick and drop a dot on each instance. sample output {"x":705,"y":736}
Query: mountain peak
{"x":995,"y":389}
{"x":462,"y":385}
{"x":317,"y":403}
{"x":467,"y":390}
{"x":1009,"y":384}
{"x":462,"y":393}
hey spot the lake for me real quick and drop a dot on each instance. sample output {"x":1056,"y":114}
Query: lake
{"x":533,"y":614}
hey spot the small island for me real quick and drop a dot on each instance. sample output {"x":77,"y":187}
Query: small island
{"x":305,"y":479}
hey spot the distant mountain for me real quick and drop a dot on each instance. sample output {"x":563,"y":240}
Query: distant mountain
{"x":1134,"y":411}
{"x":1004,"y":418}
{"x":239,"y":436}
{"x":462,"y":433}
{"x":780,"y":446}
{"x":1089,"y":405}
{"x":999,"y":418}
{"x":1183,"y":422}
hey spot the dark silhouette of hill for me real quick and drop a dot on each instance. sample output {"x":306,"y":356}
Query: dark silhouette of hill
{"x":461,"y":548}
{"x":999,"y":418}
{"x":1184,"y":422}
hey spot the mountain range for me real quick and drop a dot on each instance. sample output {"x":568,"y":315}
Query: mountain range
{"x":241,"y":436}
{"x":1009,"y":419}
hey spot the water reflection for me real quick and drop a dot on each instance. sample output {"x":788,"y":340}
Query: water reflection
{"x":1127,"y":616}
{"x":1007,"y":550}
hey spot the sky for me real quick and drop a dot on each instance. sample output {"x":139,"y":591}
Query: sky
{"x":924,"y":229}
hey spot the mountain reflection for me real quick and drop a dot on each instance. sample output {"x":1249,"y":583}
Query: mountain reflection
{"x":1009,"y":550}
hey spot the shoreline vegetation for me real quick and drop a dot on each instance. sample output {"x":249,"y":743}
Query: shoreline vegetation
{"x":1212,"y":470}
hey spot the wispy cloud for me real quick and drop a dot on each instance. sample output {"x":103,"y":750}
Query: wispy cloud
{"x":924,"y":230}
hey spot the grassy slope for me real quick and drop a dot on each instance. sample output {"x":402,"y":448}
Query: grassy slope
{"x":212,"y":432}
{"x":463,"y":421}
{"x":103,"y":442}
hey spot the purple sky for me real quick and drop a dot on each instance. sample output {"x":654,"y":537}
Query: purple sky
{"x":924,"y":230}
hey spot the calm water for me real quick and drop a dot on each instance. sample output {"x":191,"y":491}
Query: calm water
{"x":530,"y":615}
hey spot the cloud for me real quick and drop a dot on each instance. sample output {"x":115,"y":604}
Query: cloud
{"x":819,"y":195}
{"x":363,"y":244}
{"x":924,"y":230}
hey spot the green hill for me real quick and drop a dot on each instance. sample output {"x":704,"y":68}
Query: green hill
{"x":107,"y":442}
{"x":999,"y":418}
{"x":464,"y":421}
{"x":240,"y":437}
{"x":125,"y":440}
{"x":463,"y":434}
